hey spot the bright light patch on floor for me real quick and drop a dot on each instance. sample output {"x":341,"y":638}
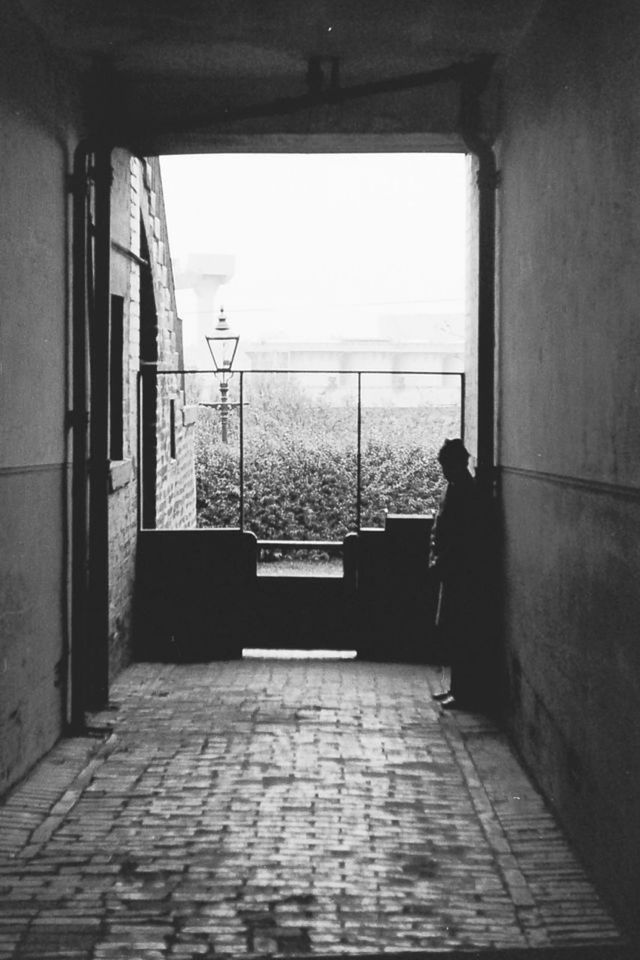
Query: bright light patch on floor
{"x":255,"y":653}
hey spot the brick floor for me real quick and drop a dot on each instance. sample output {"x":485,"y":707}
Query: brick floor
{"x":264,"y":807}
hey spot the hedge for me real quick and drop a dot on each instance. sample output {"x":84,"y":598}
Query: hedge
{"x":300,"y":468}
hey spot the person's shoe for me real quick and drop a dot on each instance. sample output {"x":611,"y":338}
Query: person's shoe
{"x":454,"y":703}
{"x":450,"y":703}
{"x":441,"y":696}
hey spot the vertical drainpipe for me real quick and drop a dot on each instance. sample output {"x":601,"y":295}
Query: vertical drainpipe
{"x":97,"y":642}
{"x":78,"y":422}
{"x":91,"y":183}
{"x":89,"y":419}
{"x":490,"y":625}
{"x":474,"y":82}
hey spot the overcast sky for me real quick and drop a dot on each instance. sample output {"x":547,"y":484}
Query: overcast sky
{"x":334,"y":239}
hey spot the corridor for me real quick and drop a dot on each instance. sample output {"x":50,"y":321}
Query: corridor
{"x":269,"y":807}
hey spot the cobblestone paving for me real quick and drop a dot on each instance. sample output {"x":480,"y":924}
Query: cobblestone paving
{"x":262,"y":807}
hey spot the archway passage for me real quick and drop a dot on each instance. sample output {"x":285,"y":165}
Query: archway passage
{"x":564,"y":115}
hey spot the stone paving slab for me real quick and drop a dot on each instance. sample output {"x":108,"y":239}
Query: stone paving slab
{"x":259,"y":808}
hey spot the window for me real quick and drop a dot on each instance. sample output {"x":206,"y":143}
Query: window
{"x":172,"y":429}
{"x":116,"y":377}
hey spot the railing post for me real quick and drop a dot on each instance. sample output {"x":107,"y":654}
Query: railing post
{"x":139,"y":475}
{"x":359,"y":457}
{"x":242,"y":450}
{"x":224,"y":410}
{"x":149,"y":369}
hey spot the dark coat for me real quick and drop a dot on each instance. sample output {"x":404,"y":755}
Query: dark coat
{"x":457,"y":551}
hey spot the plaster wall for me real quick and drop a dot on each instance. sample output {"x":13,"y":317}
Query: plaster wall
{"x":41,"y":122}
{"x":38,"y":117}
{"x":569,"y":398}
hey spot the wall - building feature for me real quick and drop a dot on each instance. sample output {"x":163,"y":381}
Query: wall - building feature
{"x":569,"y":381}
{"x":341,"y":357}
{"x":141,"y":276}
{"x":414,"y":77}
{"x":39,"y":116}
{"x":42,"y":123}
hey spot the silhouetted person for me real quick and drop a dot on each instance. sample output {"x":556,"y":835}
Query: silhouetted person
{"x":456,"y":560}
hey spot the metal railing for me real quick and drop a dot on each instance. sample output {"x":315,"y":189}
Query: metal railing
{"x":338,"y":381}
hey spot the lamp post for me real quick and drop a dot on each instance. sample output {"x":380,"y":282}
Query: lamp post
{"x":223,"y":345}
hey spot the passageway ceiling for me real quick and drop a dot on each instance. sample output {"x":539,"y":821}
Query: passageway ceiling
{"x":175,"y":74}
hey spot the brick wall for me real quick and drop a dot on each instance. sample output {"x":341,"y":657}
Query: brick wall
{"x":137,"y":212}
{"x":175,"y":468}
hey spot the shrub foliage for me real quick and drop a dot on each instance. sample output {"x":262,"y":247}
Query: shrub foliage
{"x":300,"y":464}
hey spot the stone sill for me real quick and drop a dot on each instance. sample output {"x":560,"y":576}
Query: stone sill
{"x":190,"y":414}
{"x":120,"y":474}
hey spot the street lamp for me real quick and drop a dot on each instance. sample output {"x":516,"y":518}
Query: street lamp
{"x":223,"y":345}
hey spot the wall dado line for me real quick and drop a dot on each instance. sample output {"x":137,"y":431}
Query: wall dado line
{"x":575,"y":483}
{"x":35,"y":468}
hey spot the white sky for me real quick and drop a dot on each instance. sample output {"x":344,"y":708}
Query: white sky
{"x":336,"y":239}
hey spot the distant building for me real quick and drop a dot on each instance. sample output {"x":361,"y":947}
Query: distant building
{"x":401,"y":346}
{"x":202,"y":276}
{"x":392,"y":363}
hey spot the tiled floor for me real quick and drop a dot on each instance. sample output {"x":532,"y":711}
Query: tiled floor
{"x":263,"y":807}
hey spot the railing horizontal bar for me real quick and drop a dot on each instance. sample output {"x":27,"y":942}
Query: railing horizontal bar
{"x":354,"y":373}
{"x":350,"y":373}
